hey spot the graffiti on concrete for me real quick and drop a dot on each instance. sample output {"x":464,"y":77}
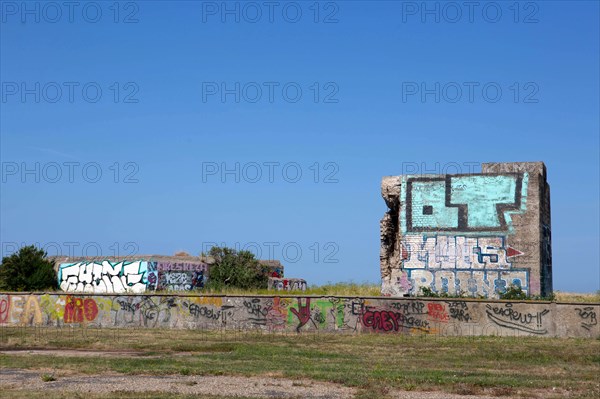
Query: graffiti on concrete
{"x":131,"y":276}
{"x":472,"y":203}
{"x":176,"y":276}
{"x":387,"y":320}
{"x":103,"y":277}
{"x":452,"y":234}
{"x":287,"y":284}
{"x":78,"y":310}
{"x":300,"y":314}
{"x":507,"y":316}
{"x":4,"y":308}
{"x":459,"y":311}
{"x":588,"y":317}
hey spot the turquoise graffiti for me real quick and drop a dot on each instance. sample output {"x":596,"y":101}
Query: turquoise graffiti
{"x":462,"y":203}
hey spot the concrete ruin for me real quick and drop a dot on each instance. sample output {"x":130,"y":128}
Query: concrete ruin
{"x":475,"y":234}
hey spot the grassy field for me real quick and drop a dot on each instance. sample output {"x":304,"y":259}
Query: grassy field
{"x":374,"y":364}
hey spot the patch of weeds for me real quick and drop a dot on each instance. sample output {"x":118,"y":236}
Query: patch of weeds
{"x":48,"y":377}
{"x":515,"y":292}
{"x":185,"y":371}
{"x":409,"y":387}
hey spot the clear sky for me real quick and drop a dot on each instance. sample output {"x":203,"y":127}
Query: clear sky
{"x":150,"y":127}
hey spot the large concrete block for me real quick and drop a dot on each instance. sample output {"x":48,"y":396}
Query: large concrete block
{"x":470,"y":233}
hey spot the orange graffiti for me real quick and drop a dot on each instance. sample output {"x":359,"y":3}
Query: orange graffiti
{"x":438,"y":312}
{"x":77,"y":309}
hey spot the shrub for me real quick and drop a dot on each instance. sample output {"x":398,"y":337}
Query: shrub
{"x":513,"y":292}
{"x":237,"y":269}
{"x":27,"y":270}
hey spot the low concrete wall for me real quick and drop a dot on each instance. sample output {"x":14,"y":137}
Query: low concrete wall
{"x":306,"y":313}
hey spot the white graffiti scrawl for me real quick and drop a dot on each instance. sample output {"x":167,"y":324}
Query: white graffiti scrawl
{"x":104,"y":276}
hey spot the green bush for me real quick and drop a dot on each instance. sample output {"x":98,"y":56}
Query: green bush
{"x":236,"y":269}
{"x":513,"y":292}
{"x":27,"y":270}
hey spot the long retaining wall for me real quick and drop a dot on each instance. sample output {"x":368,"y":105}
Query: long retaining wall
{"x":303,"y":314}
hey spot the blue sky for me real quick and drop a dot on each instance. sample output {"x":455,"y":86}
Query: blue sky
{"x":149,"y":102}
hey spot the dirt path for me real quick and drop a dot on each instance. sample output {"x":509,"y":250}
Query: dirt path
{"x":209,"y":385}
{"x":263,"y":387}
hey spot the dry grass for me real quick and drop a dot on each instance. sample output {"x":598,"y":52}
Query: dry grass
{"x":577,"y":297}
{"x":373,"y":363}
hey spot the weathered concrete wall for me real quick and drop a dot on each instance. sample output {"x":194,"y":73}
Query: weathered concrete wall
{"x":138,"y":274}
{"x":303,"y":314}
{"x":476,"y":233}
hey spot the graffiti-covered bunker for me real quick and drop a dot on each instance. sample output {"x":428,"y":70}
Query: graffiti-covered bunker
{"x":143,"y":273}
{"x":475,"y":234}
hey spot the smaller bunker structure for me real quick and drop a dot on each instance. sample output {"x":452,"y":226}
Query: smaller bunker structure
{"x":147,"y":273}
{"x":475,"y":234}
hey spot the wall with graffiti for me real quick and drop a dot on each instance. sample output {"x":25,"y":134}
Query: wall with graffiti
{"x":456,"y":234}
{"x":131,"y":276}
{"x":302,"y":314}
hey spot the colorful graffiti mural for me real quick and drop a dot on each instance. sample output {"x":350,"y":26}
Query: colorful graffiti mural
{"x":454,"y":233}
{"x":301,"y":314}
{"x":131,"y":276}
{"x":176,"y":276}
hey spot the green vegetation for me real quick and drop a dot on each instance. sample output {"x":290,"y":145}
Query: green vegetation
{"x":375,"y":364}
{"x":48,"y":377}
{"x":513,"y":292}
{"x":236,"y":269}
{"x":27,"y":270}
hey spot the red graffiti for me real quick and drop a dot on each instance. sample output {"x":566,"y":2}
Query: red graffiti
{"x":383,"y":320}
{"x":76,"y":309}
{"x":438,"y":312}
{"x":302,"y":313}
{"x":387,"y":320}
{"x":4,"y":308}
